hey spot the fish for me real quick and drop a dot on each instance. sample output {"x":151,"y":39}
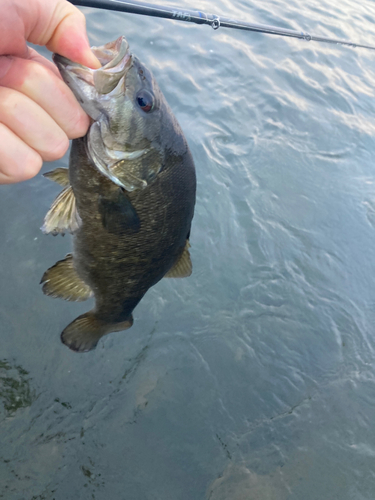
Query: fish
{"x":128,"y":195}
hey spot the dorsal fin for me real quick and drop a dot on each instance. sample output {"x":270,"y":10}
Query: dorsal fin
{"x":183,"y":267}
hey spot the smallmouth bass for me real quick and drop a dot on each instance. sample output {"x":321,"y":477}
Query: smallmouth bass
{"x":128,"y":196}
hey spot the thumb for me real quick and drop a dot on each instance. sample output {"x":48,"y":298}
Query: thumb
{"x":65,"y":33}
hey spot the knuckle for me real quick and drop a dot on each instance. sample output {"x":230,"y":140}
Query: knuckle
{"x":31,"y":166}
{"x":8,"y":100}
{"x":79,"y":15}
{"x":5,"y":64}
{"x":57,"y":150}
{"x":82,"y":17}
{"x":35,"y":67}
{"x":80,"y":125}
{"x":18,"y":161}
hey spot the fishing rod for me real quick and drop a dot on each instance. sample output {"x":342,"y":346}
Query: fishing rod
{"x":198,"y":17}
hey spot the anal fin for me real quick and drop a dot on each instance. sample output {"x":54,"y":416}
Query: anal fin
{"x":63,"y":215}
{"x":62,"y":281}
{"x":183,"y":267}
{"x":83,"y":334}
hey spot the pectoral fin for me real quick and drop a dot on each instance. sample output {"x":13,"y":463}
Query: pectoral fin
{"x":118,"y":213}
{"x":59,"y":175}
{"x":63,"y":215}
{"x":83,"y":334}
{"x":61,"y":280}
{"x":183,"y":267}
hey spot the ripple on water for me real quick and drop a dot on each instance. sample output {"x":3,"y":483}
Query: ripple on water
{"x":254,"y":378}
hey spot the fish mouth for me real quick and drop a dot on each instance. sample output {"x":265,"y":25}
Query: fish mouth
{"x":115,"y":59}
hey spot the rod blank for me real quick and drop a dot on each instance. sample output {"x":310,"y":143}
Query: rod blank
{"x":198,"y":17}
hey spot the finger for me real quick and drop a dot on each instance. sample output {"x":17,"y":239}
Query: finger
{"x":34,"y":56}
{"x":55,"y":23}
{"x":12,"y":23}
{"x":70,"y":40}
{"x":18,"y":162}
{"x":47,"y":90}
{"x":32,"y":124}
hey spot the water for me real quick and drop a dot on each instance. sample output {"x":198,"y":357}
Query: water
{"x":253,"y":379}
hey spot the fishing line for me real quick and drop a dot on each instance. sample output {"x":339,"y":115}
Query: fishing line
{"x":198,"y":17}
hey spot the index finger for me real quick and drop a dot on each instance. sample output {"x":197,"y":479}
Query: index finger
{"x":46,"y":89}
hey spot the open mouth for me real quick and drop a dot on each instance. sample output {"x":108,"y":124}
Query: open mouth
{"x":115,"y":59}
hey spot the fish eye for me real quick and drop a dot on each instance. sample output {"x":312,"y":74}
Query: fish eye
{"x":145,"y":100}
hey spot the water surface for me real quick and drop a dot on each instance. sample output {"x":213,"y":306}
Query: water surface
{"x":254,"y":378}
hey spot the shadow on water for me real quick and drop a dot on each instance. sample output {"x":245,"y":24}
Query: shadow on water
{"x":15,"y":391}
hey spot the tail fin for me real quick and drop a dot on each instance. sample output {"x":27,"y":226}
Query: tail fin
{"x":83,"y":334}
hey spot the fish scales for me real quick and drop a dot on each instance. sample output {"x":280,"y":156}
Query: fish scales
{"x":140,"y":258}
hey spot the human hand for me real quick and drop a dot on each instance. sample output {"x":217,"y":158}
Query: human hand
{"x":38,"y":112}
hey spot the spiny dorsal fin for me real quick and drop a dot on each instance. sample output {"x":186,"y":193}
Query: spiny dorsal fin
{"x":63,"y":215}
{"x":83,"y":334}
{"x":61,"y":280}
{"x":59,"y":175}
{"x":183,"y":267}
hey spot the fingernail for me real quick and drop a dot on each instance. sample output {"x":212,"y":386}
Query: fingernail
{"x":92,"y":61}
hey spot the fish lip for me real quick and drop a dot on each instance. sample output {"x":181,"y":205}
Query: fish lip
{"x":63,"y":61}
{"x":116,"y":61}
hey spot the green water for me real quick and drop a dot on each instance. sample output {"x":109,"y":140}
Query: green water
{"x":253,"y":379}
